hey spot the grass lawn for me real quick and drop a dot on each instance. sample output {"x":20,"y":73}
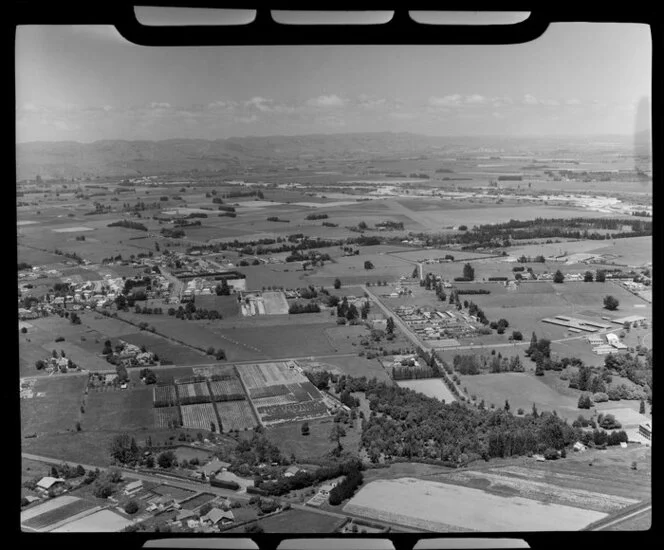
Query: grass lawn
{"x":59,"y":409}
{"x":227,"y":306}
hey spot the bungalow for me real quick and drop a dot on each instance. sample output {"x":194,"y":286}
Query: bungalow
{"x":213,"y":467}
{"x":325,"y":489}
{"x":48,"y":482}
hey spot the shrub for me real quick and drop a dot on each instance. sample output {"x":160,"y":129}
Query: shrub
{"x":131,"y":507}
{"x":551,"y":454}
{"x":600,"y":397}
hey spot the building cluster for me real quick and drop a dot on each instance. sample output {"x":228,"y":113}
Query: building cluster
{"x":431,"y":324}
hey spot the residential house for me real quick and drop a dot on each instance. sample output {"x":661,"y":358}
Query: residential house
{"x":291,"y":471}
{"x":213,"y":467}
{"x":47,"y":483}
{"x":217,"y":515}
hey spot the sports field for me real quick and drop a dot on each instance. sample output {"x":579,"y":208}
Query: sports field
{"x":443,"y":507}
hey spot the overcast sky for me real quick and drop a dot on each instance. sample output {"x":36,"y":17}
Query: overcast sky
{"x":88,"y":83}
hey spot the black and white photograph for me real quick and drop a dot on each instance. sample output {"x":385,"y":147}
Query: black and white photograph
{"x":335,"y":289}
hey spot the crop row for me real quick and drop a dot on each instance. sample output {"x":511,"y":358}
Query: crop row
{"x":164,"y":396}
{"x":200,"y":417}
{"x":235,"y":415}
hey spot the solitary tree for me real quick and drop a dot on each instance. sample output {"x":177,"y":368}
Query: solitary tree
{"x":600,"y":277}
{"x":558,"y":277}
{"x":305,"y":428}
{"x":642,"y":407}
{"x":368,"y":265}
{"x":588,"y":277}
{"x":507,"y":405}
{"x":468,"y":272}
{"x":611,"y":303}
{"x":390,"y":325}
{"x":337,"y":283}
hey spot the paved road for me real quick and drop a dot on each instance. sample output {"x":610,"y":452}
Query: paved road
{"x":405,"y":329}
{"x":646,"y":506}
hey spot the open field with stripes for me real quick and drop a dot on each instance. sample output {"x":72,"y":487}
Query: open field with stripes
{"x":227,"y":390}
{"x":193,"y":393}
{"x":235,"y":415}
{"x":281,"y":393}
{"x":199,"y":417}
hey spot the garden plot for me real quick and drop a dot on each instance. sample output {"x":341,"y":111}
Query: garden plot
{"x":165,"y":416}
{"x":519,"y":481}
{"x":227,"y":390}
{"x":443,"y":507}
{"x":269,"y":391}
{"x":52,"y":518}
{"x":235,"y":415}
{"x":292,"y":412}
{"x":274,"y":400}
{"x":193,"y":393}
{"x":164,"y":396}
{"x":268,"y":374}
{"x":197,"y":501}
{"x":199,"y":417}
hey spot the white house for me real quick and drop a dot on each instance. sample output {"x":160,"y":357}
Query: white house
{"x":45,"y":483}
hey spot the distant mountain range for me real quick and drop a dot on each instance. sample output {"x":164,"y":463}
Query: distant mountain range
{"x":68,"y":159}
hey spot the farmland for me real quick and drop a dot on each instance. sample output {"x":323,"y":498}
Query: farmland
{"x":102,"y":521}
{"x":227,"y":390}
{"x":199,"y":417}
{"x":118,"y":409}
{"x":165,"y":396}
{"x":57,"y":515}
{"x":165,"y":416}
{"x":235,"y":415}
{"x":196,"y":392}
{"x":444,"y":507}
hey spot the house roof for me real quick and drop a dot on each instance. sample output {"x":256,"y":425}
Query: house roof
{"x":48,"y":481}
{"x":216,"y":515}
{"x":213,"y":466}
{"x":185,"y":514}
{"x":134,"y":485}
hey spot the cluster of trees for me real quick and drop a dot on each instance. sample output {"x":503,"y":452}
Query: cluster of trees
{"x":471,"y":364}
{"x":191,"y":312}
{"x":297,"y":307}
{"x":128,"y":224}
{"x":317,"y":217}
{"x":313,"y":256}
{"x":148,"y":376}
{"x":23,"y":265}
{"x":346,"y":489}
{"x":347,"y":311}
{"x":148,"y":310}
{"x":276,"y":219}
{"x":412,"y":425}
{"x":330,"y":224}
{"x":303,"y":479}
{"x":219,"y":354}
{"x":412,"y":373}
{"x":391,"y":225}
{"x":172,"y":233}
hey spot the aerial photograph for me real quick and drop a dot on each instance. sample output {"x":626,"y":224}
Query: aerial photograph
{"x":335,"y":289}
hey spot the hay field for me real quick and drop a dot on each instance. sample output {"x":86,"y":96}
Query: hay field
{"x":443,"y":507}
{"x":118,"y":409}
{"x":432,"y":387}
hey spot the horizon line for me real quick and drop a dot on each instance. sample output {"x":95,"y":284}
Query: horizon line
{"x":450,"y":136}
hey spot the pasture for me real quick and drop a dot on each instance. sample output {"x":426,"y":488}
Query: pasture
{"x":58,"y":410}
{"x":443,"y":507}
{"x":227,"y":306}
{"x":521,"y":390}
{"x":117,"y":409}
{"x":433,"y":387}
{"x":289,"y":438}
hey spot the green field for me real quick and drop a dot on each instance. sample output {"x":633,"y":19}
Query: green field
{"x":118,"y":409}
{"x":289,"y":438}
{"x":59,"y":409}
{"x":521,"y":390}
